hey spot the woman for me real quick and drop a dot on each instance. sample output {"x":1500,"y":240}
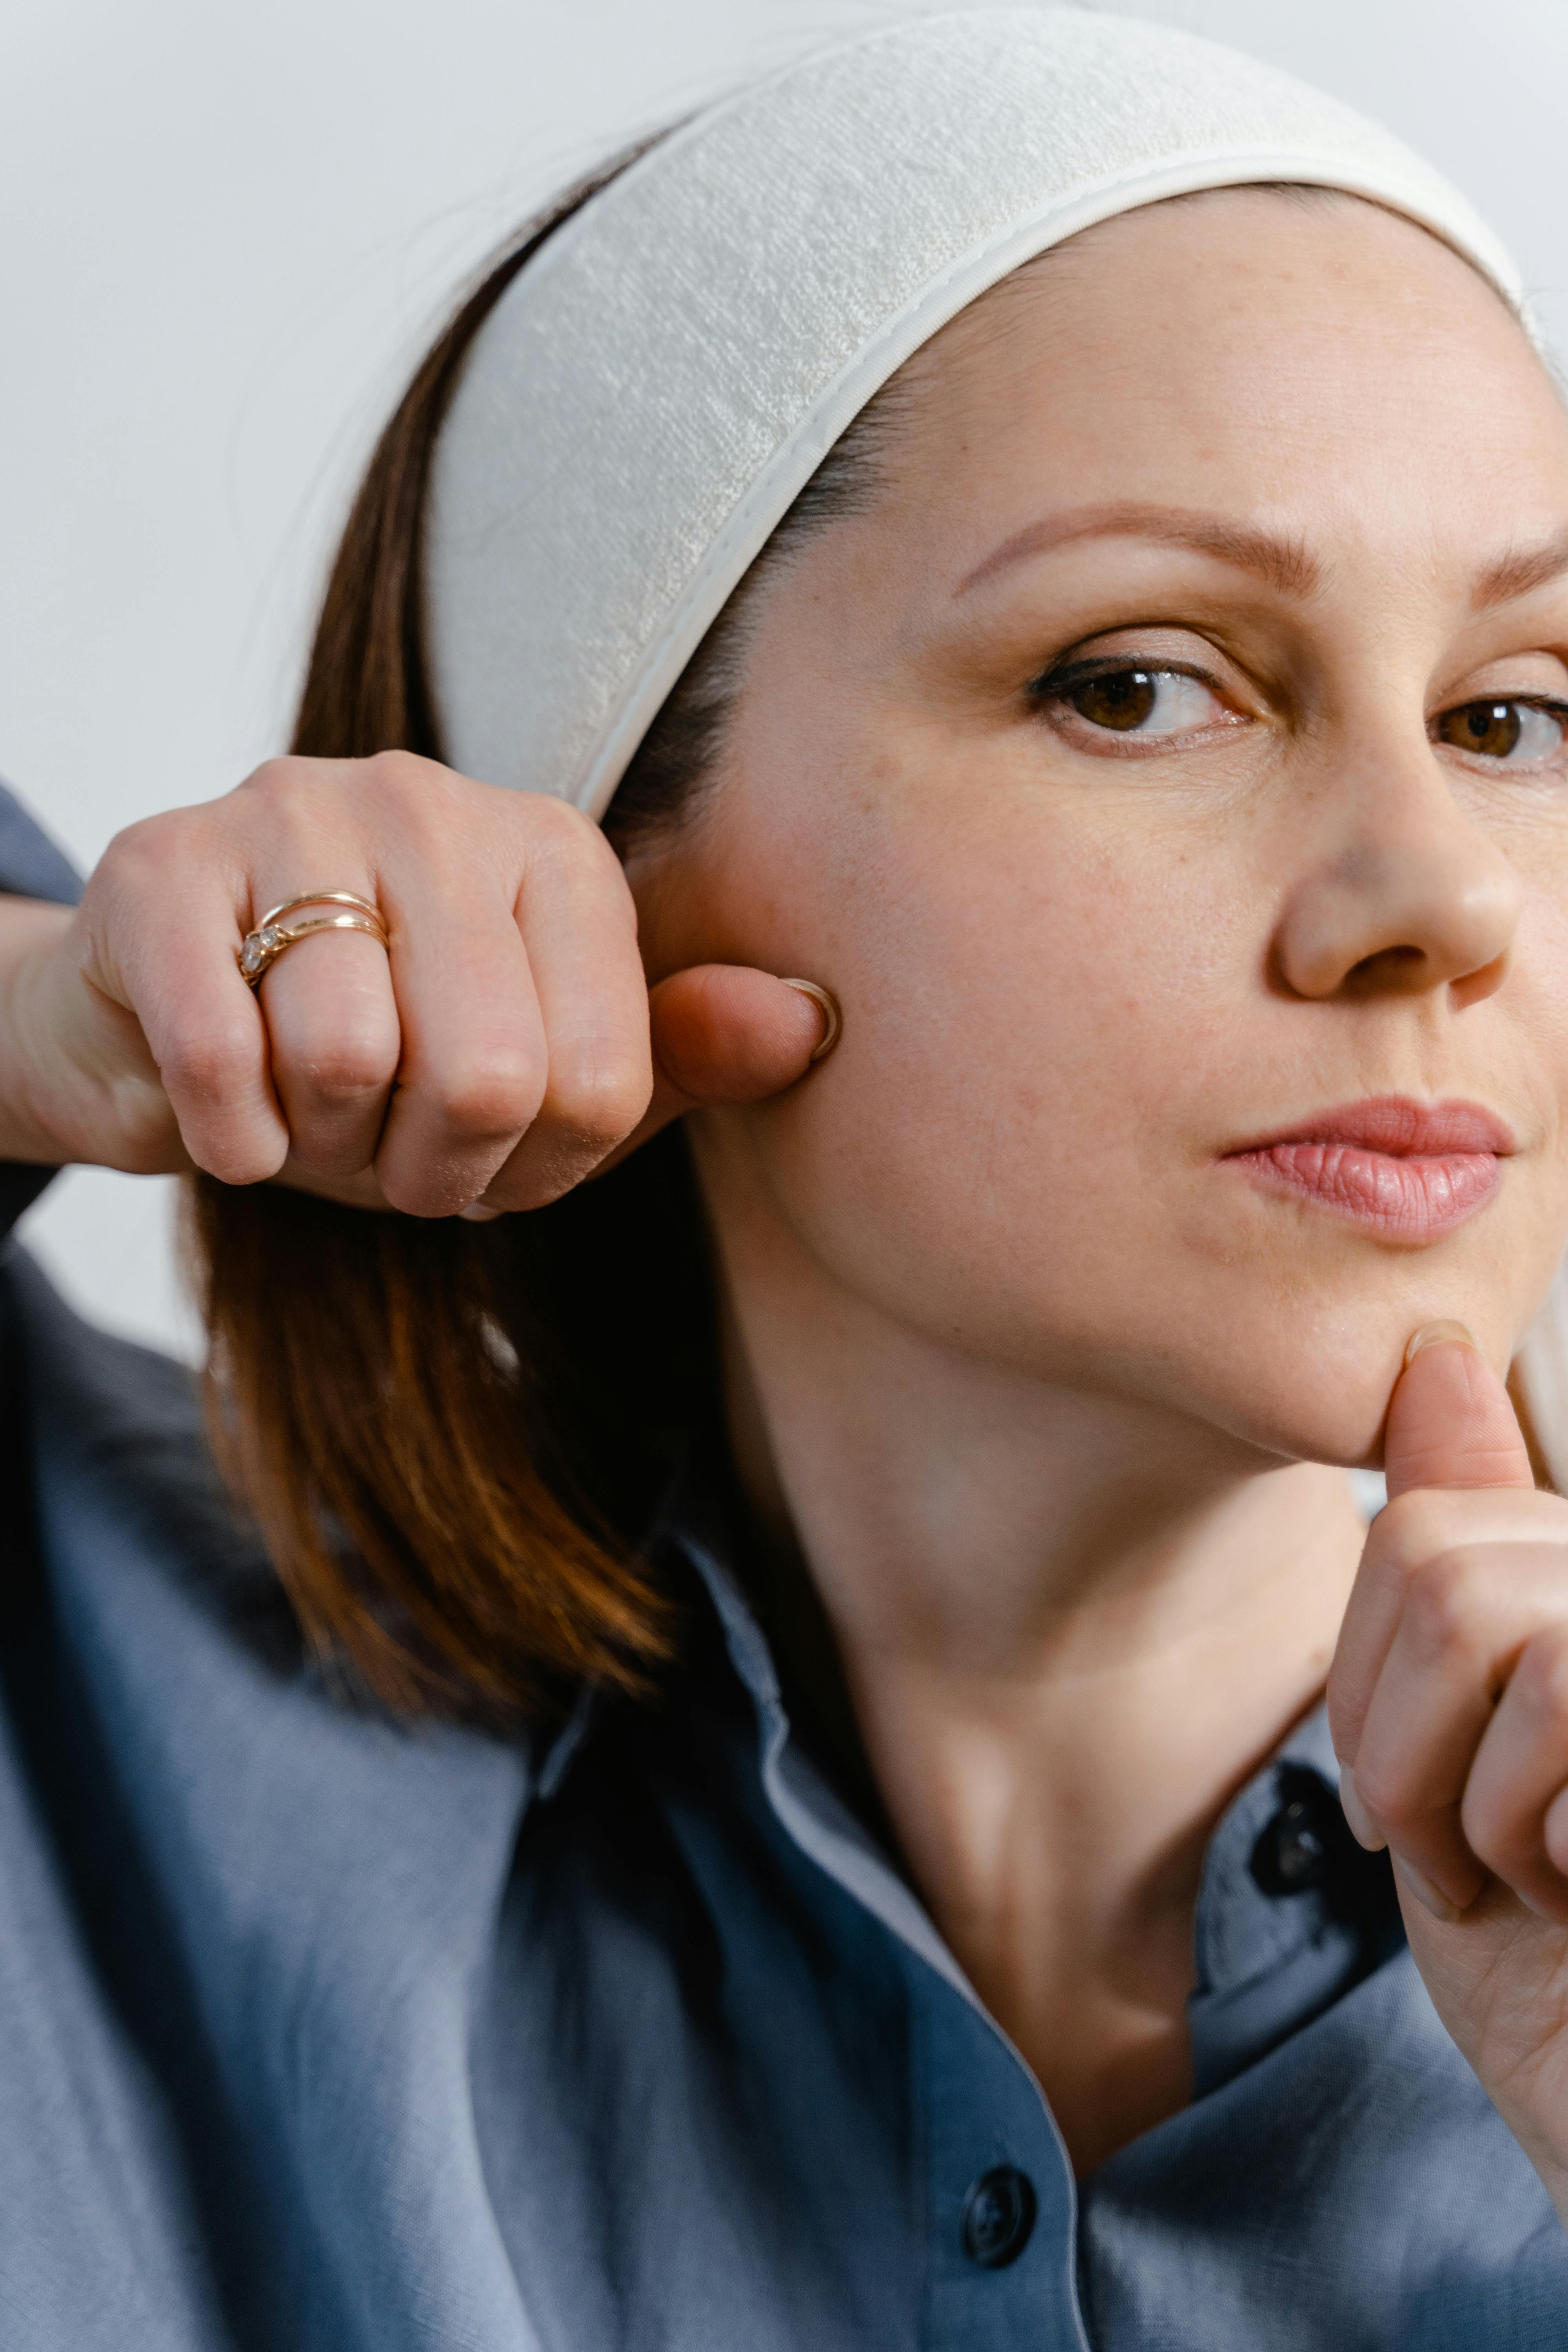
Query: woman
{"x":884,"y":1881}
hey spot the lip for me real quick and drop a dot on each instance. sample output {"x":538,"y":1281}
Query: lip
{"x":1410,"y":1171}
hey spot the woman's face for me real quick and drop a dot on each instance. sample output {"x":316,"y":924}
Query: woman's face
{"x":1169,"y":772}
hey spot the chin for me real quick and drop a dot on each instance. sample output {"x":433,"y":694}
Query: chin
{"x":1298,"y":1419}
{"x":1315,"y":1386}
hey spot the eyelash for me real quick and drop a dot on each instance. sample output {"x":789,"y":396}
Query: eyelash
{"x":1053,"y":684}
{"x":1056,"y":684}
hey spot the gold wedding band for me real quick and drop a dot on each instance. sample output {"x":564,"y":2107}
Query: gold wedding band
{"x":260,"y":948}
{"x":829,"y":1003}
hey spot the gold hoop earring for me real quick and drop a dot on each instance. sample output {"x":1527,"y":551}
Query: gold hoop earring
{"x":830,"y":1012}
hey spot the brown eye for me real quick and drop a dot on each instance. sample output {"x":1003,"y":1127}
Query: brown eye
{"x":1148,"y":703}
{"x":1491,"y":730}
{"x":1122,"y":699}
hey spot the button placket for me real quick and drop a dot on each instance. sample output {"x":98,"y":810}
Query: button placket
{"x":1002,"y":2271}
{"x":999,"y":2216}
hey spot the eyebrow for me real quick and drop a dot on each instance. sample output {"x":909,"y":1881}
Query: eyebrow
{"x":1521,"y":570}
{"x":1282,"y":560}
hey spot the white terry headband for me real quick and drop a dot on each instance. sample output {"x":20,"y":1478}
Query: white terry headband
{"x":659,"y":383}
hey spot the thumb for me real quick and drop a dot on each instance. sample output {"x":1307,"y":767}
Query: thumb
{"x":726,"y":1033}
{"x":1449,"y":1420}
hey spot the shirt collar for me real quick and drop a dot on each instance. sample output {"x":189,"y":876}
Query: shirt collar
{"x":1291,"y":1912}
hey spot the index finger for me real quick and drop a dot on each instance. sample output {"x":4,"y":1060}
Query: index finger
{"x":578,"y":923}
{"x":205,"y":1033}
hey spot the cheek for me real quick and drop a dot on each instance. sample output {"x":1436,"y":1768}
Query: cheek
{"x":1052,"y":1029}
{"x":1034,"y":1017}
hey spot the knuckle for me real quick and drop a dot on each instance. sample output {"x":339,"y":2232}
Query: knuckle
{"x":1417,"y":1524}
{"x":1541,"y":1676}
{"x":1376,"y":1787}
{"x":407,"y":1196}
{"x":1492,"y":1836}
{"x":207,"y":1064}
{"x":240,"y":1161}
{"x":1445,"y":1604}
{"x":283,"y":773}
{"x":1489,"y":1842}
{"x":547,"y":1183}
{"x":416,"y":808}
{"x":1347,"y":1710}
{"x":291,"y":789}
{"x":544,"y":1166}
{"x":346,"y":1072}
{"x":516,"y":1194}
{"x":1394,"y":1800}
{"x":555,"y":824}
{"x":403,"y":774}
{"x":142,"y":855}
{"x":560,"y":839}
{"x":488,"y":1095}
{"x":597,"y":1096}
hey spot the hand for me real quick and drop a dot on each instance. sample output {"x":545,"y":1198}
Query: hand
{"x":507,"y":1047}
{"x":1448,"y":1703}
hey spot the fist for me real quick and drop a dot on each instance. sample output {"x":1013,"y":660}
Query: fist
{"x":1449,"y":1704}
{"x":505,"y":1047}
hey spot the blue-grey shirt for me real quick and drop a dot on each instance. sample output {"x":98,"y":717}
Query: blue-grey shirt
{"x":318,"y":2034}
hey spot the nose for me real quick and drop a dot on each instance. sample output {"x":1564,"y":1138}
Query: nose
{"x":1404,"y":894}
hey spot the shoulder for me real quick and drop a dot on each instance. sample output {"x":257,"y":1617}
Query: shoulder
{"x":150,"y":1577}
{"x":110,"y":1427}
{"x":238,"y":1802}
{"x":234,"y":1894}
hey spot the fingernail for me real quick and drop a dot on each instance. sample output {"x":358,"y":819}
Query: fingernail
{"x":1356,"y":1815}
{"x":833,"y":1018}
{"x":1435,"y":1335}
{"x":1429,"y":1898}
{"x":477,"y":1213}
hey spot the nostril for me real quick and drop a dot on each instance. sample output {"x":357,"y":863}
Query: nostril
{"x":1386,"y":964}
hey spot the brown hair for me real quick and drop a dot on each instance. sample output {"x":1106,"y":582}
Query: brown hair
{"x":455,"y":1436}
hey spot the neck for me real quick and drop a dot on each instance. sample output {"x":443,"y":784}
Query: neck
{"x":1071,"y":1626}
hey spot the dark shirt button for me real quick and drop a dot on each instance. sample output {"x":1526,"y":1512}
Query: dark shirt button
{"x":1291,"y":1855}
{"x":998,"y":2215}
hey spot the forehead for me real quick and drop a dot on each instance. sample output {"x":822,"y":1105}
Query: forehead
{"x":1268,"y":348}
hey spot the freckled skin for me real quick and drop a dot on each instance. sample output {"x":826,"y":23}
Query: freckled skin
{"x":1071,"y":980}
{"x":1116,"y":767}
{"x":1039,"y":1387}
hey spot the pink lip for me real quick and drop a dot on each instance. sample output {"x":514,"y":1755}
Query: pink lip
{"x":1410,"y":1170}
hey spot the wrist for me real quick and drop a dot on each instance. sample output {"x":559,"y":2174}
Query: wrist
{"x":31,"y":935}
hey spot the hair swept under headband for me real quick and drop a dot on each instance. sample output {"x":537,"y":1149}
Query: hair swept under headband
{"x":662,"y":379}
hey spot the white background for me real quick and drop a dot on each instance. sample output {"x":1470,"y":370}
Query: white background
{"x":224,"y":230}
